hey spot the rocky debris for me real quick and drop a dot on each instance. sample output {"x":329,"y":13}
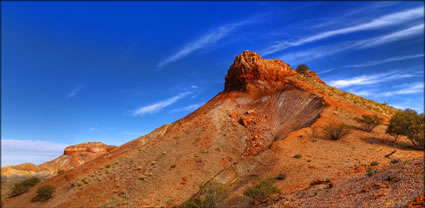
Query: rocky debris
{"x":393,"y":186}
{"x":313,"y":75}
{"x":418,"y":202}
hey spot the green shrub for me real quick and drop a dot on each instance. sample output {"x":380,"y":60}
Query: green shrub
{"x":336,"y":132}
{"x":302,"y":68}
{"x":370,"y":172}
{"x":410,"y":124}
{"x":394,"y":161}
{"x":281,"y":176}
{"x":45,"y":193}
{"x":297,"y":156}
{"x":262,"y":190}
{"x":374,"y":163}
{"x":210,"y":195}
{"x":369,"y":122}
{"x":24,"y":186}
{"x":60,"y":172}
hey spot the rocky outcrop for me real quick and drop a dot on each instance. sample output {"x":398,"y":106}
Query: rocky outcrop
{"x":250,"y":71}
{"x":73,"y":156}
{"x":93,"y":147}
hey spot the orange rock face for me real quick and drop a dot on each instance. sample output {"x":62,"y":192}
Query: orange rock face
{"x":93,"y":147}
{"x":249,"y":70}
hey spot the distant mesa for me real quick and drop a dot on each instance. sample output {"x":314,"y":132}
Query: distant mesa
{"x":93,"y":147}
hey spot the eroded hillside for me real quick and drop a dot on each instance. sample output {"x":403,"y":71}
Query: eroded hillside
{"x":251,"y":130}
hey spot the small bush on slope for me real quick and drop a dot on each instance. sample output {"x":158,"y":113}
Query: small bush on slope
{"x":302,"y":68}
{"x":408,"y":123}
{"x":262,"y":190}
{"x":24,"y":186}
{"x":336,"y":132}
{"x":44,"y":193}
{"x":210,"y":196}
{"x":369,"y":122}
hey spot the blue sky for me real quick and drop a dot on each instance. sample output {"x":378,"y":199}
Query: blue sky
{"x":74,"y":72}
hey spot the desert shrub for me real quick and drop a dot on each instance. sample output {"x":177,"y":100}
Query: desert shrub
{"x":369,"y":122}
{"x":60,"y":172}
{"x":410,"y":124}
{"x":281,"y":176}
{"x":370,"y":172}
{"x":297,"y":156}
{"x":44,"y":193}
{"x":336,"y":132}
{"x":210,"y":195}
{"x":394,"y":161}
{"x":262,"y":190}
{"x":374,"y":163}
{"x":302,"y":68}
{"x":24,"y":186}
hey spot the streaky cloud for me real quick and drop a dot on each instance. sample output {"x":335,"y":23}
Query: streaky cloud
{"x":402,"y":34}
{"x":205,"y":41}
{"x":384,"y":21}
{"x":368,"y":79}
{"x":160,"y":105}
{"x":383,"y":61}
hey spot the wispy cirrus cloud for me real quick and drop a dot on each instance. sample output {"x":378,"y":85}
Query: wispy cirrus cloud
{"x":207,"y":40}
{"x":411,"y":89}
{"x":405,"y":89}
{"x":73,"y":93}
{"x":384,"y":21}
{"x":328,"y":50}
{"x":369,"y":79}
{"x":152,"y":108}
{"x":383,"y":61}
{"x":20,"y":151}
{"x":402,"y":34}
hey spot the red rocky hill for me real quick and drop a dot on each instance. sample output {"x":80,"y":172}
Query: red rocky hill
{"x":252,"y":130}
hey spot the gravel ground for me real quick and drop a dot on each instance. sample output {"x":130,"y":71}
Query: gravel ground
{"x":393,"y":186}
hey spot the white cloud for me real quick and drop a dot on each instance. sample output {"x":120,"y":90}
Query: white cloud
{"x":368,"y":79}
{"x":384,"y":21}
{"x":399,"y":35}
{"x":188,"y":108}
{"x":73,"y":93}
{"x":411,"y":89}
{"x":159,"y":105}
{"x":377,"y":62}
{"x":21,"y":151}
{"x":323,"y":51}
{"x":204,"y":41}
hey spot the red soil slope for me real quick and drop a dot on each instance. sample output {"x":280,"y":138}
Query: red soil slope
{"x":251,"y":130}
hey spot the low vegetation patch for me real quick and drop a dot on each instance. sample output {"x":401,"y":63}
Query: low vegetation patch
{"x":263,"y":190}
{"x":281,"y":176}
{"x":60,"y":172}
{"x":374,"y":163}
{"x":24,"y":186}
{"x":44,"y":193}
{"x":210,"y":195}
{"x":410,"y":124}
{"x":394,"y":161}
{"x":336,"y":132}
{"x":370,"y":172}
{"x":297,"y":156}
{"x":302,"y":69}
{"x":369,"y":122}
